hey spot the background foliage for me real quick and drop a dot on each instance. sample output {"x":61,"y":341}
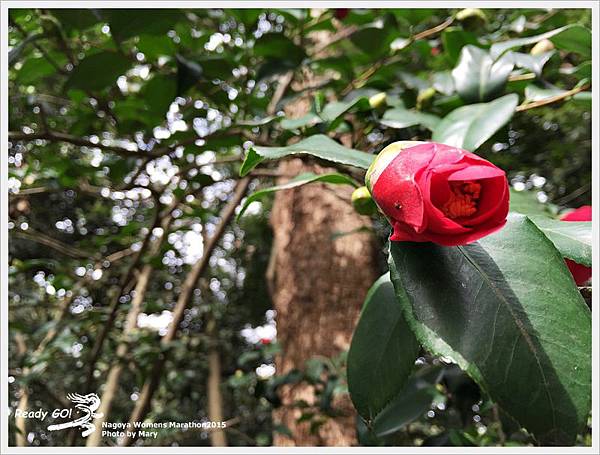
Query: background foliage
{"x":119,"y":118}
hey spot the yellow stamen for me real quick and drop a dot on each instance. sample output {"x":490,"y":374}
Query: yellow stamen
{"x":463,"y":199}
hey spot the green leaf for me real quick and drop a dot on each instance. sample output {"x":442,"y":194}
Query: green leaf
{"x":479,"y":77}
{"x":573,"y":38}
{"x":299,"y":180}
{"x":34,"y":69}
{"x":526,"y":202}
{"x":454,"y":39}
{"x":507,"y":311}
{"x":98,"y":71}
{"x":78,"y":19}
{"x":159,"y":93}
{"x":278,"y":46}
{"x":309,"y":119}
{"x":583,"y":71}
{"x":572,"y":239}
{"x":533,"y":63}
{"x":154,"y":46}
{"x":383,"y":351}
{"x":335,"y":109}
{"x":535,"y":93}
{"x":410,"y":403}
{"x":127,"y":23}
{"x":470,"y":126}
{"x":318,"y":145}
{"x":403,"y":118}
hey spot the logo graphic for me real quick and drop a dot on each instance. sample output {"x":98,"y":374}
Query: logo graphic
{"x":86,"y":404}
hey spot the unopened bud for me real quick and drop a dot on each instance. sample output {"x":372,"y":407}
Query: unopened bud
{"x":378,"y":100}
{"x":543,"y":46}
{"x":362,"y":201}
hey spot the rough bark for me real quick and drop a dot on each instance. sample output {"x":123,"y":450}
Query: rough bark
{"x":319,"y":284}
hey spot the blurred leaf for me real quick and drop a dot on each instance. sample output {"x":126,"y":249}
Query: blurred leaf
{"x":573,"y":38}
{"x":403,"y":118}
{"x":331,"y":111}
{"x":581,"y":71}
{"x":98,"y":71}
{"x":189,"y":73}
{"x":572,"y":239}
{"x":127,"y":23}
{"x":77,"y":19}
{"x":454,"y":39}
{"x":154,"y":46}
{"x":299,"y":180}
{"x":443,"y":82}
{"x":526,"y":202}
{"x":533,"y":63}
{"x":382,"y":353}
{"x":477,"y":77}
{"x":159,"y":93}
{"x":309,"y":119}
{"x":277,"y":45}
{"x":410,"y":403}
{"x":467,"y":302}
{"x":470,"y":126}
{"x":34,"y":69}
{"x":318,"y":145}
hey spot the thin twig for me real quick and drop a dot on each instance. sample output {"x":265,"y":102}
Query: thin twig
{"x":552,"y":99}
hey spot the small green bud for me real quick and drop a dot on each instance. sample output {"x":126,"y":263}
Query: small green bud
{"x":362,"y":201}
{"x":378,"y":100}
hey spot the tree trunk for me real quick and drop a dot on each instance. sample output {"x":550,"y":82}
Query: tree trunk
{"x":319,"y":284}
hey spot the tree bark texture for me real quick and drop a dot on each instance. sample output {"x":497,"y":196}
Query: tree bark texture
{"x":319,"y":284}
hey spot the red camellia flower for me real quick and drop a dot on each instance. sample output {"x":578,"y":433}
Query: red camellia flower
{"x":432,"y":192}
{"x":581,"y":273}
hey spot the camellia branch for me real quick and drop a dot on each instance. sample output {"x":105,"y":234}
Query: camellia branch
{"x":187,"y":290}
{"x":362,"y":78}
{"x":552,"y":99}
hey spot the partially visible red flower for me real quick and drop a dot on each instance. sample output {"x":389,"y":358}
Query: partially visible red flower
{"x":435,"y":51}
{"x":432,"y":192}
{"x":265,"y":341}
{"x":341,"y":13}
{"x":581,"y":273}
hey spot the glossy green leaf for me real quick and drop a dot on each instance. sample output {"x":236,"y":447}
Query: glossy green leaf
{"x":318,"y":145}
{"x":573,"y":38}
{"x":98,"y":71}
{"x":302,"y":179}
{"x":470,"y":126}
{"x":507,"y":311}
{"x":331,"y":111}
{"x":159,"y":93}
{"x":403,"y":118}
{"x":572,"y":239}
{"x":307,"y":120}
{"x":383,"y":351}
{"x":410,"y":403}
{"x":533,"y":63}
{"x":478,"y":77}
{"x":526,"y":202}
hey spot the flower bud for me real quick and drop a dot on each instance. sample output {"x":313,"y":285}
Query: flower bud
{"x":471,"y":18}
{"x":541,"y":47}
{"x":378,"y":100}
{"x":424,"y":98}
{"x":362,"y":201}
